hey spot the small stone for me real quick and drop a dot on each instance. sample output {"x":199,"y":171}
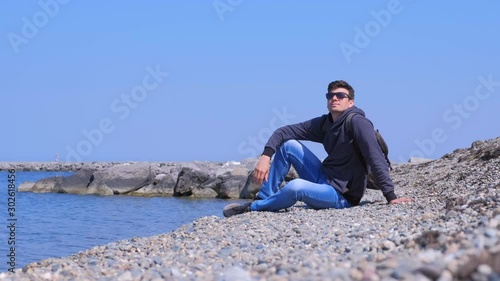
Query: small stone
{"x":445,"y":276}
{"x":427,"y":216}
{"x":491,"y":232}
{"x":388,"y":245}
{"x":261,"y":267}
{"x":496,"y":212}
{"x":175,"y":272}
{"x":92,"y":262}
{"x":493,"y":223}
{"x":431,"y":271}
{"x":65,"y":273}
{"x":484,"y":269}
{"x":356,"y":274}
{"x":237,"y":273}
{"x":452,"y":214}
{"x":125,"y":276}
{"x":55,"y":267}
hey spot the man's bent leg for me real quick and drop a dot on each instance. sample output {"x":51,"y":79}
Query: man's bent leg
{"x":307,"y":165}
{"x":315,"y":195}
{"x":305,"y":162}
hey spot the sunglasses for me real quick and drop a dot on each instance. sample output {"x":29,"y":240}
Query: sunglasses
{"x":339,"y":95}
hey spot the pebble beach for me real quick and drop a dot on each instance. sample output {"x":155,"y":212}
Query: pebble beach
{"x":451,"y":231}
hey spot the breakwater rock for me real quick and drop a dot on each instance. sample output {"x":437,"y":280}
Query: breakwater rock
{"x":451,"y":231}
{"x":193,"y":179}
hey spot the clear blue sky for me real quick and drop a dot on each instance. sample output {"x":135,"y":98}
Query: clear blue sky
{"x":209,"y":80}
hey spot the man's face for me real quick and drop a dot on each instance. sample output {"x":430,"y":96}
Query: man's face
{"x":337,"y":104}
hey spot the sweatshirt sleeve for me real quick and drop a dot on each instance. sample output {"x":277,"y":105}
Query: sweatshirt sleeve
{"x":310,"y":130}
{"x":364,"y":137}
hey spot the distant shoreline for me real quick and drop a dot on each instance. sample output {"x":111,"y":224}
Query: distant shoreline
{"x":55,"y":166}
{"x":76,"y":166}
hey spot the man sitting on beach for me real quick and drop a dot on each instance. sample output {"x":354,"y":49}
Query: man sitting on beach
{"x":337,"y":182}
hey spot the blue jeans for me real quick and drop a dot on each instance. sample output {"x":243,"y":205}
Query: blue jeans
{"x":311,"y":188}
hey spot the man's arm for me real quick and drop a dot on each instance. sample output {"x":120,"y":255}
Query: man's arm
{"x":309,"y":130}
{"x":261,"y":171}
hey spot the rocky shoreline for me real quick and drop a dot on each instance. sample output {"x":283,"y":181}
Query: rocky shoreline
{"x":190,"y":179}
{"x":450,"y":232}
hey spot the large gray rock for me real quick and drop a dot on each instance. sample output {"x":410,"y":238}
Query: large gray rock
{"x":193,"y":182}
{"x":78,"y":182}
{"x":26,"y":186}
{"x":163,"y":185}
{"x":121,"y":179}
{"x":203,"y":192}
{"x":100,"y":189}
{"x":231,"y":183}
{"x":250,"y":188}
{"x":51,"y":184}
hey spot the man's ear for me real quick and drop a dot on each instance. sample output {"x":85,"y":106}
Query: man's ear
{"x":351,"y":103}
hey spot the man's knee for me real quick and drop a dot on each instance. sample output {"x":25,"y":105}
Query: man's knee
{"x":295,"y":186}
{"x":291,"y":145}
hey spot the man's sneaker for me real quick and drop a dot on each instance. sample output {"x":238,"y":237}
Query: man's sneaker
{"x":236,"y":209}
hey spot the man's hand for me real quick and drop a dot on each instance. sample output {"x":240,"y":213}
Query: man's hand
{"x":261,"y":171}
{"x":400,"y":200}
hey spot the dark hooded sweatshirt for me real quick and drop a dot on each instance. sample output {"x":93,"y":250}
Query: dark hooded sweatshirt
{"x":345,"y":170}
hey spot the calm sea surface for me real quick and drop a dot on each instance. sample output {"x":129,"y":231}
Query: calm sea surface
{"x":58,"y":225}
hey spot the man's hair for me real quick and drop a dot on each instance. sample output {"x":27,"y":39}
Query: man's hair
{"x":341,"y":84}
